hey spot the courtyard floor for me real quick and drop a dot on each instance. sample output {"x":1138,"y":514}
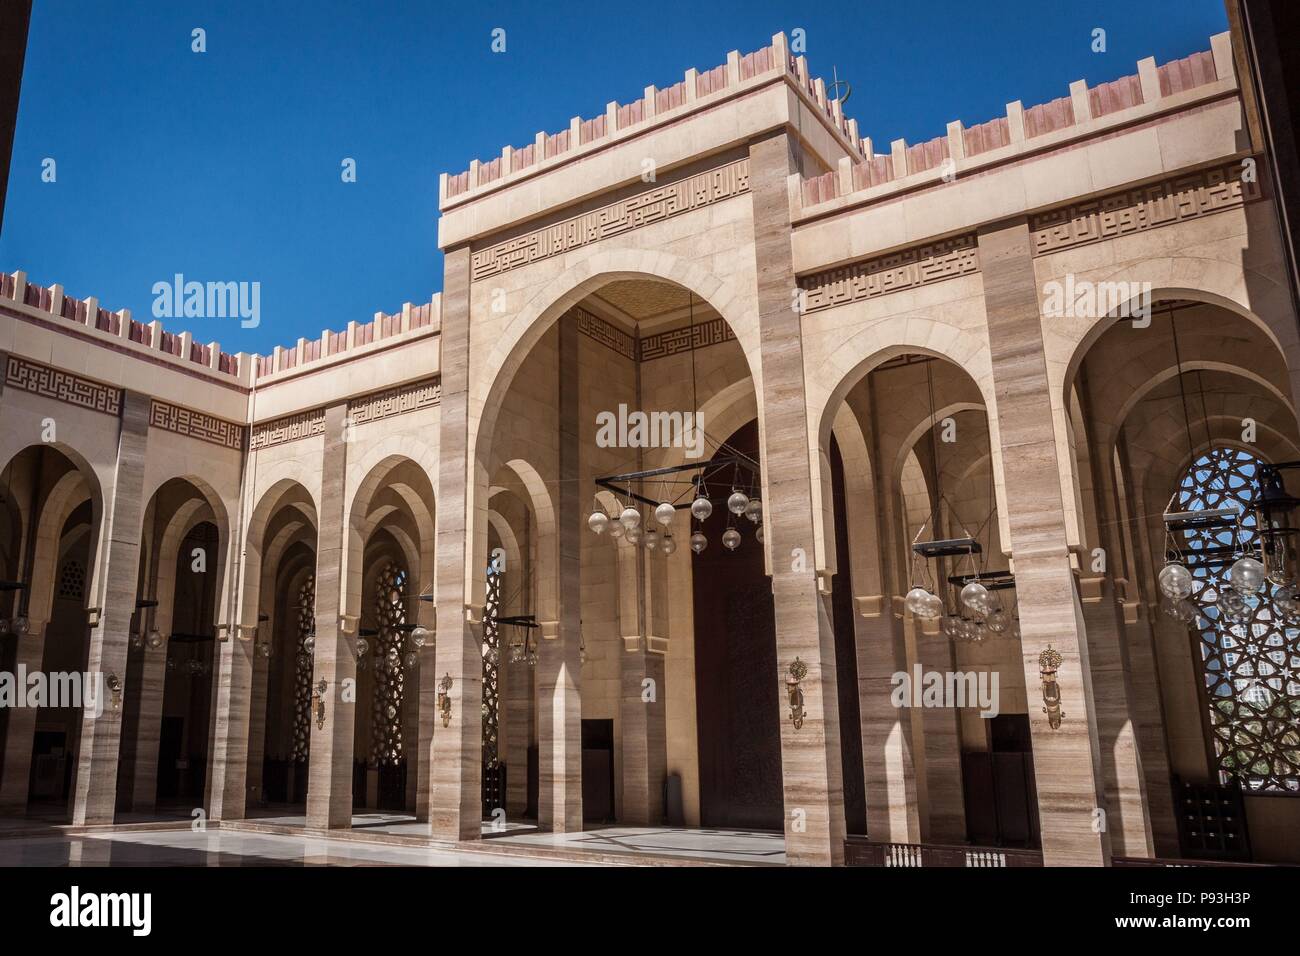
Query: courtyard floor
{"x":280,"y":838}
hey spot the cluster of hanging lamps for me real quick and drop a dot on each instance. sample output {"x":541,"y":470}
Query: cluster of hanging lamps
{"x":979,"y":614}
{"x":1246,"y":578}
{"x":923,"y":604}
{"x":628,"y":524}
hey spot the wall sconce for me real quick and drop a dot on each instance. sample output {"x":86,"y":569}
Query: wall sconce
{"x":1048,"y":663}
{"x":797,"y":671}
{"x":115,"y":688}
{"x":318,"y":702}
{"x":444,"y":699}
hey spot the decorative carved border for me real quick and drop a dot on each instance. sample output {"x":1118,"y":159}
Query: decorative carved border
{"x":62,"y":386}
{"x":653,"y":205}
{"x":284,"y":430}
{"x":1190,"y":196}
{"x":673,"y":341}
{"x":908,"y":269}
{"x":606,"y":333}
{"x":395,"y":401}
{"x":192,"y":424}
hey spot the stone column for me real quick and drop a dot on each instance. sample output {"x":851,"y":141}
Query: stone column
{"x":1146,"y":694}
{"x":644,"y":736}
{"x":455,"y":805}
{"x":892,"y":799}
{"x":810,"y":755}
{"x":944,"y":820}
{"x":518,"y":698}
{"x":1067,"y":766}
{"x":426,"y":693}
{"x":1126,"y":803}
{"x":1128,"y":798}
{"x":890,"y":761}
{"x":21,"y":729}
{"x":153,"y":677}
{"x":258,"y":694}
{"x":95,"y":791}
{"x":642,"y":672}
{"x":231,"y":720}
{"x":559,"y":666}
{"x":329,"y":788}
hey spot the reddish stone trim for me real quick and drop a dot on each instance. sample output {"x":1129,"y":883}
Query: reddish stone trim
{"x":311,"y":368}
{"x":54,"y":325}
{"x":1011,"y":162}
{"x":462,"y":200}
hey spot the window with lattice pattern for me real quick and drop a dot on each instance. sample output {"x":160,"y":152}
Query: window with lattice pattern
{"x":1250,"y":658}
{"x":72,"y":580}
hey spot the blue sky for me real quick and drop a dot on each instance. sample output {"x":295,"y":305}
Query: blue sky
{"x":226,"y":165}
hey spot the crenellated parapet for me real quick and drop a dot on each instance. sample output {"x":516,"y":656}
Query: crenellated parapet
{"x":409,"y":322}
{"x":1085,"y":112}
{"x":118,"y":328}
{"x":119,"y":331}
{"x":697,"y":90}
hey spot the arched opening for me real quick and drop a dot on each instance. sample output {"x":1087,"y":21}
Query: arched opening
{"x":736,"y":701}
{"x":909,"y":500}
{"x":278,"y":599}
{"x":1170,"y":418}
{"x":282,"y":696}
{"x":50,"y":515}
{"x":169,"y":679}
{"x":610,"y":702}
{"x":389,"y":575}
{"x":187,"y":692}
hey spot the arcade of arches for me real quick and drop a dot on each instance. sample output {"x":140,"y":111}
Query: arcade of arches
{"x":379,"y":573}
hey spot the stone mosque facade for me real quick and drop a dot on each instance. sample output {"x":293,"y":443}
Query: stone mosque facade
{"x":361,"y":571}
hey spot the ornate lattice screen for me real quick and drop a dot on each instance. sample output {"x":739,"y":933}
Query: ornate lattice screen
{"x":390,"y":674}
{"x":1251,"y":666}
{"x":491,"y":668}
{"x":305,"y":644}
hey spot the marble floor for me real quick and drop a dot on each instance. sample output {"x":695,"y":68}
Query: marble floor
{"x":376,"y":839}
{"x":748,"y":847}
{"x":231,"y":848}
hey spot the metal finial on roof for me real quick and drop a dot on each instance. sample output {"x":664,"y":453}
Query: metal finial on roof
{"x":835,"y":85}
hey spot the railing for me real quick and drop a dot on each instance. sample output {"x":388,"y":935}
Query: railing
{"x":862,"y":852}
{"x":859,"y":851}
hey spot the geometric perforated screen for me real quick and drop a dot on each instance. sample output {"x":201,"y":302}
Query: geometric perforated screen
{"x":1251,"y":665}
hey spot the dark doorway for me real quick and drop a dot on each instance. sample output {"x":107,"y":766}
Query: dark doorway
{"x":187,"y":685}
{"x":736,"y":682}
{"x":598,"y":771}
{"x":846,"y":659}
{"x":170,"y":761}
{"x":1001,"y":800}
